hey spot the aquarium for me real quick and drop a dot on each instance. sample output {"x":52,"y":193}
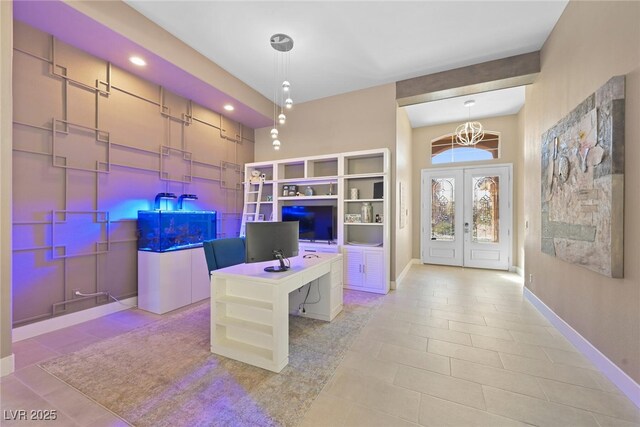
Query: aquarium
{"x":164,"y":231}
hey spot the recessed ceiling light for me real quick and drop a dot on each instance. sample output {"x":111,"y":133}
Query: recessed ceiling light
{"x":229,"y":107}
{"x":138,"y":61}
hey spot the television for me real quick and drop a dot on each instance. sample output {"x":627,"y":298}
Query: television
{"x":266,"y":241}
{"x":316,"y":222}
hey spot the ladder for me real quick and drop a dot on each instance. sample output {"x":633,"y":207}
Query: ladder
{"x":251,"y":208}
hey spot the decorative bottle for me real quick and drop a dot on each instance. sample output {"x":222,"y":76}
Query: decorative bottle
{"x":308,"y":191}
{"x":367,"y":212}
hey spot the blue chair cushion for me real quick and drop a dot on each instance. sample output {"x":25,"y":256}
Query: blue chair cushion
{"x":228,"y":252}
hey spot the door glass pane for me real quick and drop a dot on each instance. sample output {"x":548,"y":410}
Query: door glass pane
{"x":443,"y":209}
{"x":486,"y":214}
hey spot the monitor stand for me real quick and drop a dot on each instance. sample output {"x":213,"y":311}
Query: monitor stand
{"x":275,"y":268}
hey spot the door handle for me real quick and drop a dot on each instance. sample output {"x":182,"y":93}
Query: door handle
{"x":466,"y":227}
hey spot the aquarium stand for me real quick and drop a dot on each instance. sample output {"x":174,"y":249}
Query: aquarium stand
{"x":170,"y":280}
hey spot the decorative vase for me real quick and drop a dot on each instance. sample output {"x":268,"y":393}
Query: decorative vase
{"x":367,"y":212}
{"x":308,"y":191}
{"x":354,"y":194}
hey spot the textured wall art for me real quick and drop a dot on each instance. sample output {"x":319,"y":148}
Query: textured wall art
{"x":583,"y":183}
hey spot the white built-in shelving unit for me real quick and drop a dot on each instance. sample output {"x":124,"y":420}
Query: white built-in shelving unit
{"x":365,"y":246}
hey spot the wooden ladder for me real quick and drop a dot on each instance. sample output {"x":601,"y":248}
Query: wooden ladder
{"x":251,"y":208}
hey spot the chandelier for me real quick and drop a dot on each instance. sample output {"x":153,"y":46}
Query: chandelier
{"x":282,"y":44}
{"x":469,"y":133}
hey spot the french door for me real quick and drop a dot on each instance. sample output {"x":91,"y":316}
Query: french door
{"x":466,"y":217}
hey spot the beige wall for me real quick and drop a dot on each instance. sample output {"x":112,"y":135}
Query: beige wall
{"x":359,"y":120}
{"x":591,"y":42}
{"x":6,"y":113}
{"x":404,"y":175}
{"x":118,"y":170}
{"x":519,"y":190}
{"x":126,"y":21}
{"x":510,"y":151}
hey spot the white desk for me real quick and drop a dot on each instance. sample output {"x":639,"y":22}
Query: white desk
{"x":250,"y":307}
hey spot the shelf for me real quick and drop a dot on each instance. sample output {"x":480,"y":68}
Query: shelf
{"x":261,"y":352}
{"x":364,"y":245}
{"x":368,"y":172}
{"x":315,"y":180}
{"x":267,"y":182}
{"x":333,"y":197}
{"x":229,"y":299}
{"x":365,"y":175}
{"x":246,"y":324}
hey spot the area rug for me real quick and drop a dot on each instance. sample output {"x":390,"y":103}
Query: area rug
{"x":163,"y":374}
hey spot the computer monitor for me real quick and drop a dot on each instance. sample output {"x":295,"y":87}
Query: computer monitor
{"x":266,"y":241}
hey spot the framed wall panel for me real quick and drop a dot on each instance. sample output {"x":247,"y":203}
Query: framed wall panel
{"x":93,"y":145}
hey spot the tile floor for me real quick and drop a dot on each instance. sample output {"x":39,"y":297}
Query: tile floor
{"x":461,"y":347}
{"x":450,"y":347}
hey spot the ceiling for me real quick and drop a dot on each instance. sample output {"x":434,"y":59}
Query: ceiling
{"x":496,"y":103}
{"x":345,"y":46}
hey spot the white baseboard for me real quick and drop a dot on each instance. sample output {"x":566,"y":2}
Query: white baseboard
{"x":623,"y":381}
{"x":55,"y":323}
{"x":7,"y":365}
{"x":518,"y":270}
{"x":402,"y":275}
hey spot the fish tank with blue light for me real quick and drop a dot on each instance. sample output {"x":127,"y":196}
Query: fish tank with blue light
{"x":165,"y":231}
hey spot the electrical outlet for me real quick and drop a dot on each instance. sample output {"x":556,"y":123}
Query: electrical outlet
{"x":74,"y":293}
{"x":530,"y":278}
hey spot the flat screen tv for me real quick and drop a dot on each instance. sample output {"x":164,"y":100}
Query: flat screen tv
{"x":316,"y":222}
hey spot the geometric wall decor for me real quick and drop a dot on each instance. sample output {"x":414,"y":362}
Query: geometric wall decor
{"x":79,"y":147}
{"x":230,"y":175}
{"x":79,"y":233}
{"x":92,"y":145}
{"x":583,"y":183}
{"x":175,"y":164}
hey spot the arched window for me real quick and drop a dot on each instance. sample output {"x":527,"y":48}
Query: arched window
{"x":446,"y":150}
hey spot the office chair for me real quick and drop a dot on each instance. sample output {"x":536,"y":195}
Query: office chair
{"x":221,"y":253}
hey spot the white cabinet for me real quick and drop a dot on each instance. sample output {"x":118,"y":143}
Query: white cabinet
{"x":365,"y":269}
{"x":200,"y":283}
{"x":170,"y":280}
{"x":374,"y":271}
{"x":346,"y":181}
{"x":353,"y":259}
{"x":311,"y":248}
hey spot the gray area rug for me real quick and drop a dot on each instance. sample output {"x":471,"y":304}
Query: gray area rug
{"x":163,"y":374}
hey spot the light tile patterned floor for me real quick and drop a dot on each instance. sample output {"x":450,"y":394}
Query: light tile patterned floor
{"x":461,"y":347}
{"x":450,"y":347}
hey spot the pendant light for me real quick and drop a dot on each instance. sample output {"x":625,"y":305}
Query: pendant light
{"x":469,"y":133}
{"x":282,"y":44}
